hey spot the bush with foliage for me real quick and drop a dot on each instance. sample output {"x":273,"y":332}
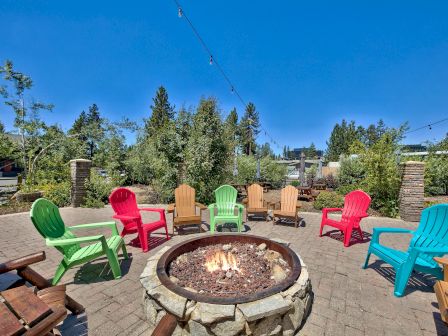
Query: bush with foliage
{"x":351,"y":171}
{"x":270,"y":170}
{"x":382,"y":177}
{"x":58,"y":193}
{"x":436,"y":169}
{"x":295,"y":183}
{"x":98,"y":190}
{"x":345,"y":189}
{"x":327,"y":199}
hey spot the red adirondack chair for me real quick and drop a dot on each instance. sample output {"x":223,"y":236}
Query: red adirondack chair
{"x":355,"y":208}
{"x":126,"y":210}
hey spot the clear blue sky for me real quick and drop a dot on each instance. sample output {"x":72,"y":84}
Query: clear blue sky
{"x":305,"y":64}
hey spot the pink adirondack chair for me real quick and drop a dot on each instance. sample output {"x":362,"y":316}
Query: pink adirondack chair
{"x":355,"y":208}
{"x":126,"y":210}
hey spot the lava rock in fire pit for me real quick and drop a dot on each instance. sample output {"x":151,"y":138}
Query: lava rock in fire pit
{"x":229,"y":270}
{"x":226,"y":247}
{"x":261,"y":247}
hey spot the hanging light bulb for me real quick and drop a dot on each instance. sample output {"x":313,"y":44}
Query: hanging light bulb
{"x":211,"y":60}
{"x":430,"y":128}
{"x":232,"y":89}
{"x":180,"y":13}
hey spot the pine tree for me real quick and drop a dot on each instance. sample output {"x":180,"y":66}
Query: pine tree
{"x":206,"y":153}
{"x":250,"y":127}
{"x":341,"y":138}
{"x":162,"y":112}
{"x":231,"y":130}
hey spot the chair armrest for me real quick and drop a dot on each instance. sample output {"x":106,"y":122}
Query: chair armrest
{"x":22,"y":262}
{"x":326,"y":210}
{"x":391,"y":230}
{"x":212,"y":206}
{"x":245,"y":201}
{"x":171,"y":207}
{"x":200,"y":205}
{"x":71,"y":241}
{"x":441,"y":261}
{"x":112,"y":225}
{"x":159,"y":210}
{"x":378,"y":231}
{"x":125,"y":217}
{"x":298,"y":205}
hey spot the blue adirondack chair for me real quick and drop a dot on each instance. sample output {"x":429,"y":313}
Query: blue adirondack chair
{"x":428,"y":241}
{"x":225,"y":204}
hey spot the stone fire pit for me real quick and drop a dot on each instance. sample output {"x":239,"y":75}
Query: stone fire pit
{"x":277,"y":312}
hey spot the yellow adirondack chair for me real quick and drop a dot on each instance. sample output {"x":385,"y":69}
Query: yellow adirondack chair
{"x":184,"y":208}
{"x":254,"y":203}
{"x":289,"y":206}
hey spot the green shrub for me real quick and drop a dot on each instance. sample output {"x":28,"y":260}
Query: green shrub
{"x":270,"y":170}
{"x":58,"y":193}
{"x":345,"y":189}
{"x":98,"y":190}
{"x":295,"y":183}
{"x":351,"y":172}
{"x":328,"y":199}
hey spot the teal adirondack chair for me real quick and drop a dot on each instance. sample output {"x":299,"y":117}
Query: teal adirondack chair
{"x":225,"y":205}
{"x":428,"y":241}
{"x":47,"y":220}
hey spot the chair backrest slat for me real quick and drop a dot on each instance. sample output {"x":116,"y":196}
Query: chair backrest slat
{"x":48,"y":222}
{"x":225,"y":197}
{"x":124,"y":202}
{"x":185,"y":199}
{"x":288,"y":199}
{"x":255,"y":196}
{"x":356,"y":203}
{"x":432,"y":230}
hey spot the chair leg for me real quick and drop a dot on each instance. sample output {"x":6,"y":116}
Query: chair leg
{"x":113,"y":262}
{"x":166,"y":231}
{"x":143,"y":236}
{"x":347,"y":236}
{"x":321,"y":228}
{"x":366,"y":263}
{"x":212,"y":226}
{"x":60,"y":271}
{"x":360,"y":233}
{"x":125,"y":252}
{"x":401,"y":279}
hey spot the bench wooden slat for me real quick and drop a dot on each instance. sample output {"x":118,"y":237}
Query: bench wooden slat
{"x":26,"y":304}
{"x":9,"y":325}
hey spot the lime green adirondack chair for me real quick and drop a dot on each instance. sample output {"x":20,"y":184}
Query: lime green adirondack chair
{"x":47,"y":220}
{"x":225,"y":197}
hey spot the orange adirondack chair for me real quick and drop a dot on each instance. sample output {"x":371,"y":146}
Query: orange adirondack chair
{"x":184,"y":208}
{"x":289,"y":206}
{"x":254,"y":202}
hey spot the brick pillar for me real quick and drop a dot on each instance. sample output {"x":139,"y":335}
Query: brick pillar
{"x":80,"y":171}
{"x":412,"y":190}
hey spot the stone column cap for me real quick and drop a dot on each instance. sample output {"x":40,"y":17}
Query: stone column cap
{"x":80,"y":160}
{"x":414,"y":162}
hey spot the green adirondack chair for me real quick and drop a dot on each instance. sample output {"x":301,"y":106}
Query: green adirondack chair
{"x":47,"y":220}
{"x":225,"y":205}
{"x":428,"y":241}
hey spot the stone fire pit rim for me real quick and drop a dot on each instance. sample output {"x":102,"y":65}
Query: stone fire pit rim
{"x":223,"y":238}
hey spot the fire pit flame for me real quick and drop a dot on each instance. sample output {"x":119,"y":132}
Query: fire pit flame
{"x":220,"y":260}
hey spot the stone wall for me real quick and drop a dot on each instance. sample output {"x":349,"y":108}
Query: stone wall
{"x":80,"y":173}
{"x":412,"y":190}
{"x":280,"y":314}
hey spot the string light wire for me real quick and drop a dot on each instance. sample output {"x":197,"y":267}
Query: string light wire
{"x":214,"y":61}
